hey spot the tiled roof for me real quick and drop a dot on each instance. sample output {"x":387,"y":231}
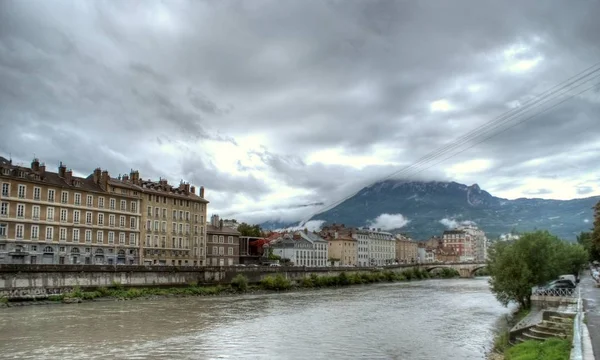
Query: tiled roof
{"x":310,"y":236}
{"x":51,"y":178}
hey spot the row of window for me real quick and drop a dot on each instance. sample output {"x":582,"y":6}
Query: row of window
{"x":175,"y":243}
{"x":182,"y":215}
{"x":220,"y":250}
{"x":63,"y":234}
{"x":64,"y":216}
{"x":64,"y":198}
{"x":186,"y":203}
{"x":221,"y":239}
{"x":175,"y":227}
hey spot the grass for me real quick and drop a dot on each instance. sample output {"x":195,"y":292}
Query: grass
{"x":551,"y":349}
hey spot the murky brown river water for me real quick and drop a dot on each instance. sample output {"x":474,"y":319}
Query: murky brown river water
{"x":432,"y":319}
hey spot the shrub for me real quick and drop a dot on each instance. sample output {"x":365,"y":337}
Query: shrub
{"x":240,"y":283}
{"x":279,"y":282}
{"x":117,"y":285}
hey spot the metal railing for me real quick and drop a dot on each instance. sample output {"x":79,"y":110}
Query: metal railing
{"x":572,"y":293}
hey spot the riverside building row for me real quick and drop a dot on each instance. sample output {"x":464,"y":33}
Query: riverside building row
{"x":57,"y":218}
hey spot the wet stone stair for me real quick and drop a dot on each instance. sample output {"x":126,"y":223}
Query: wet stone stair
{"x":555,"y":327}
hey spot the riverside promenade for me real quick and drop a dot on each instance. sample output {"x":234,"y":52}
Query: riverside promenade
{"x":590,"y":295}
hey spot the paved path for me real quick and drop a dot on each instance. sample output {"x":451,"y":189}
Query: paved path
{"x":591,"y":304}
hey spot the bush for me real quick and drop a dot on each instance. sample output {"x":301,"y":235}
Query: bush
{"x":239,"y":283}
{"x":279,"y":282}
{"x":117,"y":285}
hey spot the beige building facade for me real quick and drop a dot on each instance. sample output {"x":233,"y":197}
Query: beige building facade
{"x":343,"y":248}
{"x":174,"y":222}
{"x":56,"y":218}
{"x":406,"y":249}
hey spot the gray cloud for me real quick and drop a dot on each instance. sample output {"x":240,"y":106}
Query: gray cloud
{"x":112,"y":83}
{"x":538,"y":192}
{"x":584,"y":190}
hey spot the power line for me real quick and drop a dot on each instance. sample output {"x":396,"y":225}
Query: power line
{"x":488,"y":129}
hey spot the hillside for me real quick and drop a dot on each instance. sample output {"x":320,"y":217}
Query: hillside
{"x":426,"y":203}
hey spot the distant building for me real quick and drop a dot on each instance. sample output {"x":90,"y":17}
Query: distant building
{"x":382,"y":247}
{"x":222,"y":245}
{"x":362,"y":252}
{"x":302,"y":248}
{"x":343,"y":248}
{"x":460,"y":242}
{"x":406,"y":249}
{"x":479,"y":241}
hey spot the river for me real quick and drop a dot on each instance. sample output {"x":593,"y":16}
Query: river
{"x":431,"y":319}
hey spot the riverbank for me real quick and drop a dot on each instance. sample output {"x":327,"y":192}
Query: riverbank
{"x":558,"y":348}
{"x":239,"y":285}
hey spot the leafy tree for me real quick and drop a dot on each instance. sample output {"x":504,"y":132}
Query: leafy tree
{"x":249,"y":230}
{"x":595,"y":236}
{"x":534,"y":259}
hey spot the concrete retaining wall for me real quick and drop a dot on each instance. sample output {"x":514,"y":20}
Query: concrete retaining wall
{"x":40,"y":281}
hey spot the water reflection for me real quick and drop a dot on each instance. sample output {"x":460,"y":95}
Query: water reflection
{"x":433,"y":319}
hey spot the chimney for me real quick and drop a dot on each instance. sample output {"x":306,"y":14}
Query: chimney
{"x":335,"y":235}
{"x":193,"y":190}
{"x":104,"y":180}
{"x":135,"y":176}
{"x":125,"y":177}
{"x":202,"y":192}
{"x":69,"y":177}
{"x":97,"y":174}
{"x":61,"y":170}
{"x":42,"y":169}
{"x":221,"y":224}
{"x":35,"y":164}
{"x":342,"y":225}
{"x":186,"y":187}
{"x":305,"y":230}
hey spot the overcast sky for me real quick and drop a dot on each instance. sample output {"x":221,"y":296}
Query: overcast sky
{"x":275,"y":106}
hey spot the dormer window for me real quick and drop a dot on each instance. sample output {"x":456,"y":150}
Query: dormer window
{"x":6,"y":171}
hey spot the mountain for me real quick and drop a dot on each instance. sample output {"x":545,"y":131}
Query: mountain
{"x":425,"y":204}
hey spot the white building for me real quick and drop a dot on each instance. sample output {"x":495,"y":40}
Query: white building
{"x":479,"y":241}
{"x":382,"y":247}
{"x":302,"y":248}
{"x":362,"y":236}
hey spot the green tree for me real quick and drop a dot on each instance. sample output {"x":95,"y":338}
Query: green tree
{"x":249,"y":230}
{"x":534,"y":259}
{"x":595,"y":236}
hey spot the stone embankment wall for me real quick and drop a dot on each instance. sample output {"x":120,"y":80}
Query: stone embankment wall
{"x":41,"y":281}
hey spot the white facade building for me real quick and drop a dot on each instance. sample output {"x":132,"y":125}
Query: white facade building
{"x":362,"y":236}
{"x":479,"y":240}
{"x":382,"y":247}
{"x":303,"y":248}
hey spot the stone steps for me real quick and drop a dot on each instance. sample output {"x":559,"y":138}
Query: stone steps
{"x":555,"y":327}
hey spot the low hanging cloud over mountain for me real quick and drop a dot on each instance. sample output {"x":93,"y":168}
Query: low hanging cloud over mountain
{"x":452,"y":223}
{"x":388,"y":222}
{"x":275,"y":113}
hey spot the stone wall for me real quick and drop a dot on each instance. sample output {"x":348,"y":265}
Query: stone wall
{"x":22,"y":281}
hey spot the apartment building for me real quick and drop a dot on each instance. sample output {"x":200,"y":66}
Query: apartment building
{"x":362,"y":253}
{"x":479,"y":241}
{"x":174,"y":218}
{"x":302,"y":248}
{"x":57,"y":218}
{"x":460,"y":242}
{"x":406,"y":249}
{"x":382,"y":247}
{"x":222,"y":245}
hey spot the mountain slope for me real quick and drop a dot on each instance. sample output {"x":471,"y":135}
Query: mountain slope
{"x":426,"y":203}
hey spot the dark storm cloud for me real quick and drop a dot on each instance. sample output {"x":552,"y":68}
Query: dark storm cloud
{"x":108,"y":81}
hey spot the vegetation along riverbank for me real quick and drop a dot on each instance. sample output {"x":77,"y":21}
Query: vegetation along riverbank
{"x":240,"y":285}
{"x":515,"y":267}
